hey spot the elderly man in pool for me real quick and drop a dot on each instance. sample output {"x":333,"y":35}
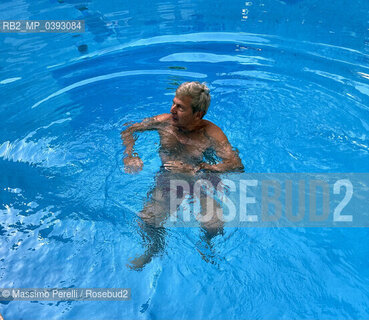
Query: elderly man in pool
{"x":188,"y":144}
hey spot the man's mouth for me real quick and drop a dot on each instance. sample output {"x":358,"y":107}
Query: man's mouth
{"x":174,"y":118}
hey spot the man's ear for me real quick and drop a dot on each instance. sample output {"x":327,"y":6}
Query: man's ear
{"x":199,"y":114}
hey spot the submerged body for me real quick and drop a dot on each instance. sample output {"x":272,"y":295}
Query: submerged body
{"x":186,"y":140}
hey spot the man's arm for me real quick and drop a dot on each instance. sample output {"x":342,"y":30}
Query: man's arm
{"x":132,"y":162}
{"x":230,"y":160}
{"x":153,"y":123}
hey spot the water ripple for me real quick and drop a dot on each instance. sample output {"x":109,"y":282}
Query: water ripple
{"x":117,"y":75}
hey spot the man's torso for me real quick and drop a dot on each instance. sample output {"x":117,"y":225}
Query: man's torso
{"x":188,"y":147}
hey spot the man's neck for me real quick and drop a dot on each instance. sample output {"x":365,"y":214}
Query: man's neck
{"x":191,"y":128}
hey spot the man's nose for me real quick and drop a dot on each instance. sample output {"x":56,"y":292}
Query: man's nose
{"x":173,"y":109}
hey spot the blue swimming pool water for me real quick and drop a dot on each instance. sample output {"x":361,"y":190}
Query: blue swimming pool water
{"x":290,"y":85}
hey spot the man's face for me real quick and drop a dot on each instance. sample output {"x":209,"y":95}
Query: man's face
{"x":181,"y":110}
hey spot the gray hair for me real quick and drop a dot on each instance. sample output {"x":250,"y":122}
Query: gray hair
{"x":199,"y":93}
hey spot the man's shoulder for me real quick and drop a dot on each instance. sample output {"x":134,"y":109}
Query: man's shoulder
{"x":162,"y":117}
{"x":152,"y":123}
{"x":213,"y":131}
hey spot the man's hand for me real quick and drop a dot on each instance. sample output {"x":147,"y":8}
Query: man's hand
{"x":132,"y":164}
{"x":180,"y":167}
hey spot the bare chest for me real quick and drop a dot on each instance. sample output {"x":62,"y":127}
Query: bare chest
{"x":184,"y":147}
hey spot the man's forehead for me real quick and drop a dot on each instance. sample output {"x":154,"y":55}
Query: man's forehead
{"x":185,"y":100}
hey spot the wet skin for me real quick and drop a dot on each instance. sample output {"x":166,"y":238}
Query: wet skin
{"x":184,"y":139}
